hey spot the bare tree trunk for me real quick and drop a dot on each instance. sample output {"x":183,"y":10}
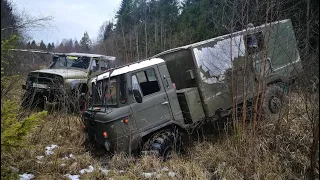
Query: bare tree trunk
{"x":146,"y":38}
{"x":308,"y":30}
{"x":155,"y":32}
{"x":137,"y":44}
{"x":314,"y":148}
{"x":161,"y":34}
{"x":130,"y":45}
{"x":125,"y":45}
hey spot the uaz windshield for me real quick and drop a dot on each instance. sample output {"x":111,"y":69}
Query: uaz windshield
{"x":70,"y":62}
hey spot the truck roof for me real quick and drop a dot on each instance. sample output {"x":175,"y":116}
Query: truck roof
{"x":110,"y":58}
{"x":213,"y":39}
{"x":129,"y":68}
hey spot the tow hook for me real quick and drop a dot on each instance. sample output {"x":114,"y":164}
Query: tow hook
{"x":107,"y":145}
{"x":48,"y":104}
{"x":45,"y":104}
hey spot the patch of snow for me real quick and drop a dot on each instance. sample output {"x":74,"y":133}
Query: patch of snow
{"x":172,"y":174}
{"x":148,"y":175}
{"x":62,"y":165}
{"x":70,"y":156}
{"x":158,"y":176}
{"x":121,"y":171}
{"x":90,"y":169}
{"x":39,"y":157}
{"x":73,"y":177}
{"x":26,"y":176}
{"x":165,"y":168}
{"x":50,"y":148}
{"x":104,"y":171}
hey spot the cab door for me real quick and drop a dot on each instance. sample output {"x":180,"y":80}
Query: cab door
{"x":154,"y":108}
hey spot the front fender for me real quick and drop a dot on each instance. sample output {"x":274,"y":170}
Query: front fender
{"x":72,"y":84}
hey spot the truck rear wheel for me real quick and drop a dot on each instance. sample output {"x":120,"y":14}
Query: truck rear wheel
{"x":164,"y":143}
{"x":275,"y":102}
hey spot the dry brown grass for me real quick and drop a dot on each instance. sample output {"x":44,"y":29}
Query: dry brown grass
{"x":280,"y":150}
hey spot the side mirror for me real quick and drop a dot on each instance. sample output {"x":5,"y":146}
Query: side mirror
{"x":137,"y":95}
{"x":90,"y":72}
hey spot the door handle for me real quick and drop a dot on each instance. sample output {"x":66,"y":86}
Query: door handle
{"x":164,"y":77}
{"x":166,"y":102}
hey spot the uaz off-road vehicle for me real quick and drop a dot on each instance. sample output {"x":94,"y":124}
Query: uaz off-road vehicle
{"x":64,"y":83}
{"x":147,"y":104}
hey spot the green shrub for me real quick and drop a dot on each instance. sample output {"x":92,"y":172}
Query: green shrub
{"x":14,"y":128}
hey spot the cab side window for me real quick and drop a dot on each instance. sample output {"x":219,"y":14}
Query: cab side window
{"x":146,"y":81}
{"x":95,"y":65}
{"x":103,"y":65}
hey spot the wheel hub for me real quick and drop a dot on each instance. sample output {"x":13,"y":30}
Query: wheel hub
{"x":274,"y":104}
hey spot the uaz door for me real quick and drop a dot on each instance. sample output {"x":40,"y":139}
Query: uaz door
{"x":154,"y":109}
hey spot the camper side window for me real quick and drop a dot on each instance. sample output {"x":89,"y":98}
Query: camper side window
{"x":147,"y":81}
{"x":254,"y":42}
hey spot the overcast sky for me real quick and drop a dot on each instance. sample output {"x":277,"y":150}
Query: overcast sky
{"x":71,"y":18}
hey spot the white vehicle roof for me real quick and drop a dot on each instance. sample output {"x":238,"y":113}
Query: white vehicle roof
{"x":129,"y":68}
{"x":111,"y":58}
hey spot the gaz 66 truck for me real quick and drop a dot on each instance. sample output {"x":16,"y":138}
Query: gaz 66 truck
{"x":64,"y":83}
{"x":149,"y":104}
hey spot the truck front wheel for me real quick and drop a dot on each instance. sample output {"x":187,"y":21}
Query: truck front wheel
{"x":78,"y":102}
{"x":275,"y":102}
{"x":164,"y":143}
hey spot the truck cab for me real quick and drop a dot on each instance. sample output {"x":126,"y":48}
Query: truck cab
{"x":130,"y":102}
{"x":65,"y":79}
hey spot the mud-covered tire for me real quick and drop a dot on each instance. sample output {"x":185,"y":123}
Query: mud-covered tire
{"x":80,"y":103}
{"x":164,"y":143}
{"x":275,"y":102}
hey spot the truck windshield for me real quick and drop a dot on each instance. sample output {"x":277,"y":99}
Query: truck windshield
{"x":70,"y":62}
{"x":104,"y":92}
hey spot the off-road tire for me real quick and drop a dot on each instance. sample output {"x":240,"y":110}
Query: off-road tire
{"x":79,"y":104}
{"x":164,"y":143}
{"x":82,"y":103}
{"x":275,"y":102}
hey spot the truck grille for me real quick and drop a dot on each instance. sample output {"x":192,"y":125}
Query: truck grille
{"x":51,"y":80}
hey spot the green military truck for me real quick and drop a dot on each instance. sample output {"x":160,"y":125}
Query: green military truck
{"x":149,"y":104}
{"x":64,"y":83}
